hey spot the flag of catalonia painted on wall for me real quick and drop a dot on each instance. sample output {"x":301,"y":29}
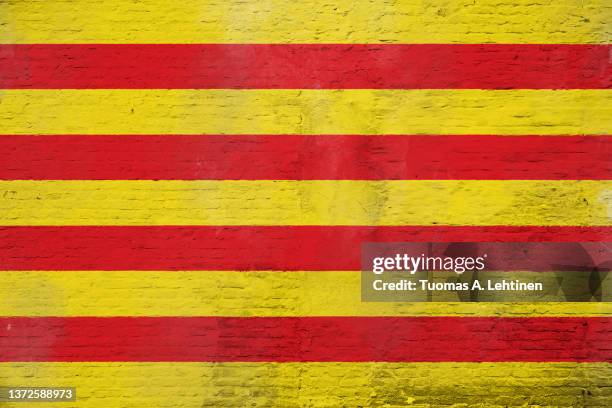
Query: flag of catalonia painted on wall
{"x":186,"y":185}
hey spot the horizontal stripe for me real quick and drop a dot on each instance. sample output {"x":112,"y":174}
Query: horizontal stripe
{"x":349,"y":339}
{"x":319,"y":384}
{"x":240,"y":248}
{"x":355,"y":111}
{"x":235,"y":293}
{"x":157,"y":21}
{"x":344,"y":202}
{"x":311,"y":66}
{"x":309,"y":157}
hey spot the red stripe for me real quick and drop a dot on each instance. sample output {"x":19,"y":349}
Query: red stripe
{"x":320,"y":157}
{"x":422,"y":66}
{"x":240,"y":248}
{"x":347,"y":339}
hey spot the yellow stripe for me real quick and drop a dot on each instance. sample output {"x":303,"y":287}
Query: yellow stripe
{"x":319,"y":384}
{"x":344,"y":202}
{"x":285,"y":21}
{"x":231,"y":293}
{"x":353,"y":111}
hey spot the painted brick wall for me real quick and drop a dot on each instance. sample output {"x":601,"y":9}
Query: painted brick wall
{"x":505,"y":140}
